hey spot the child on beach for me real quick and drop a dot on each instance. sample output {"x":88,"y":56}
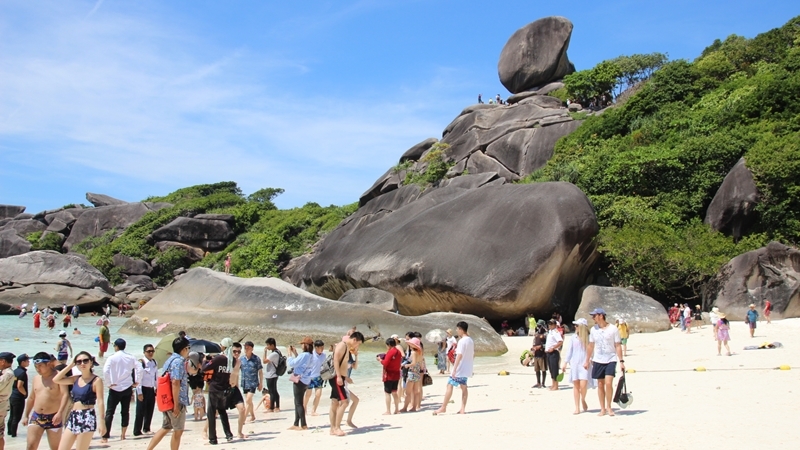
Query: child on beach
{"x":264,"y":401}
{"x":199,"y":403}
{"x":723,"y":336}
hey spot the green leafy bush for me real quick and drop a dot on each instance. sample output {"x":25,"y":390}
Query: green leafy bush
{"x":436,"y":166}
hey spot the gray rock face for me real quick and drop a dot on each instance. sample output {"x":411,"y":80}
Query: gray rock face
{"x":525,"y":151}
{"x":225,"y":217}
{"x":48,"y":267}
{"x":131,"y":266}
{"x":496,"y":251}
{"x":10,"y":211}
{"x":193,"y":254}
{"x":642,"y":313}
{"x":103,"y":200}
{"x":95,"y":222}
{"x":209,"y":234}
{"x":536,"y":54}
{"x":769,"y":273}
{"x":252,"y":308}
{"x":731,"y":210}
{"x":375,"y":298}
{"x":416,"y":152}
{"x":136,"y":283}
{"x":53,"y":295}
{"x":12,"y":244}
{"x":24,"y":227}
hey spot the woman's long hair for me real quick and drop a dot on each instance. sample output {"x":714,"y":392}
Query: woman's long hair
{"x":308,"y":348}
{"x":583,"y":335}
{"x":88,"y":355}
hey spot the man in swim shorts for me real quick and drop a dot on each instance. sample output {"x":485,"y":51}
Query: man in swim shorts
{"x":462,"y":369}
{"x":603,"y":354}
{"x":339,"y":397}
{"x":46,"y":402}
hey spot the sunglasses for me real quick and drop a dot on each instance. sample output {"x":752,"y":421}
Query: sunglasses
{"x":236,"y":352}
{"x":81,"y":362}
{"x":149,"y":351}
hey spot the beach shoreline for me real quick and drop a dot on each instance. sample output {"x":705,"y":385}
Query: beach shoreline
{"x":728,"y":405}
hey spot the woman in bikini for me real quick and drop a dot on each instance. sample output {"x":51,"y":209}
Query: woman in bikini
{"x":87,"y":395}
{"x":414,"y":375}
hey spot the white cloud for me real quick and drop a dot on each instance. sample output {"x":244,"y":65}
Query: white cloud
{"x":127,"y":97}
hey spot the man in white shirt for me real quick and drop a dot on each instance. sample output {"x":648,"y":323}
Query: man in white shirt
{"x":552,"y":350}
{"x":604,"y":351}
{"x":117,"y":376}
{"x":146,"y":392}
{"x":462,"y":368}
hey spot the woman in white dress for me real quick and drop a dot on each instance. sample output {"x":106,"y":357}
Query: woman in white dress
{"x":575,"y":356}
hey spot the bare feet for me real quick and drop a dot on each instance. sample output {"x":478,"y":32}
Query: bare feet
{"x":577,"y":411}
{"x":337,"y":432}
{"x":439,"y":412}
{"x":602,"y":412}
{"x":104,"y":440}
{"x":387,"y":413}
{"x":585,"y":406}
{"x":314,"y":413}
{"x":552,"y":389}
{"x":351,"y":424}
{"x":461,"y":412}
{"x":294,"y":428}
{"x":242,"y":436}
{"x":611,"y":413}
{"x":252,"y":419}
{"x":403,"y":410}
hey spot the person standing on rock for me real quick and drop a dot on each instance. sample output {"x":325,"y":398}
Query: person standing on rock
{"x":271,"y":358}
{"x":105,"y":337}
{"x":462,"y":369}
{"x":751,"y":319}
{"x":117,"y":376}
{"x":252,"y":374}
{"x":228,"y":264}
{"x":552,"y":348}
{"x":339,"y":392}
{"x":219,"y":369}
{"x":480,"y":99}
{"x":603,"y":354}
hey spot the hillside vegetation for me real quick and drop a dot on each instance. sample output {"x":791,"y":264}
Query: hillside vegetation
{"x":652,"y":165}
{"x":267,"y":238}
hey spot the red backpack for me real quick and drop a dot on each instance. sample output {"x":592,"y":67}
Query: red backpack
{"x":164,"y":398}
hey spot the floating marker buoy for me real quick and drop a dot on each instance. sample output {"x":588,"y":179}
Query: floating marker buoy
{"x":700,"y":369}
{"x":503,"y":373}
{"x":630,"y":371}
{"x":785,"y":367}
{"x":16,"y":339}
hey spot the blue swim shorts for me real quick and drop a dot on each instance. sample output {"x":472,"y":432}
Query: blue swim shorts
{"x":316,"y":383}
{"x":457,"y":381}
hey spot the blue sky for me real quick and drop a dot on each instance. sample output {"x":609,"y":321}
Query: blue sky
{"x":139,"y":98}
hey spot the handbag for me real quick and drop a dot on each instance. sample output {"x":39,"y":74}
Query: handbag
{"x":427,"y":380}
{"x":294,"y":378}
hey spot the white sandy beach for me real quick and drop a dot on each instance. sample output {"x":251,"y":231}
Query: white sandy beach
{"x":739,"y":402}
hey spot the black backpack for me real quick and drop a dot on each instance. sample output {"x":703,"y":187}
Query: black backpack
{"x":280,"y":369}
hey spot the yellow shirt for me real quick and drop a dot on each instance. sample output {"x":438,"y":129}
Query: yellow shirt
{"x":623,"y":330}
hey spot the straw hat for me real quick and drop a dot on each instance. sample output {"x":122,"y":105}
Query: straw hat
{"x":721,"y":315}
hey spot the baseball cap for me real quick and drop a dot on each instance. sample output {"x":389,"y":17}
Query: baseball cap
{"x":62,"y":333}
{"x":580,"y":321}
{"x":8,"y":356}
{"x":598,"y":311}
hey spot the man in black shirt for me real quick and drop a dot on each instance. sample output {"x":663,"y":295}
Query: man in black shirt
{"x":19,"y":392}
{"x":219,"y":368}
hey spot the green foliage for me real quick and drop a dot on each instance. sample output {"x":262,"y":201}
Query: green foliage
{"x":611,"y":76}
{"x":561,"y":94}
{"x":52,"y":241}
{"x":435,"y":164}
{"x":652,"y":165}
{"x":166,"y":262}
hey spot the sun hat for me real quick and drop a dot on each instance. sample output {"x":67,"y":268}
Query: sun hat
{"x":307,"y":341}
{"x":721,"y":315}
{"x":62,"y":333}
{"x":580,"y":321}
{"x":414,"y":342}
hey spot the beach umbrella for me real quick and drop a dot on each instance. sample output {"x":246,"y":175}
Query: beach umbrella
{"x":204,"y":346}
{"x":164,"y":349}
{"x":435,"y":336}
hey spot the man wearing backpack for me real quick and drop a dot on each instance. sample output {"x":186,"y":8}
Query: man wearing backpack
{"x":272,"y":359}
{"x":176,"y":419}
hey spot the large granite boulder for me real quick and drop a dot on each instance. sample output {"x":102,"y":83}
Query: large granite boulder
{"x":496,"y":251}
{"x":642,"y":313}
{"x":103,"y":200}
{"x":416,"y":152}
{"x":131,"y":266}
{"x":375,"y":298}
{"x":732,"y":208}
{"x":49,"y":267}
{"x":768,"y":273}
{"x":24,"y":227}
{"x":193,"y":254}
{"x":12,"y":244}
{"x":10,"y":211}
{"x":210,"y":234}
{"x":11,"y":297}
{"x":536,"y":54}
{"x":136,"y":283}
{"x":254,"y":308}
{"x":95,"y":222}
